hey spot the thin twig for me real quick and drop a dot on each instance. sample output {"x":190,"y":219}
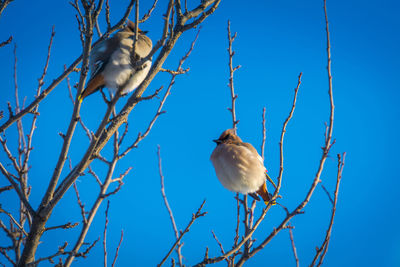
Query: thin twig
{"x":275,"y":195}
{"x":232,"y":69}
{"x":263,"y":134}
{"x":17,"y":190}
{"x":6,"y":188}
{"x":81,"y":205}
{"x":324,"y":247}
{"x":108,"y":15}
{"x":4,"y":4}
{"x":105,"y":235}
{"x":13,"y":220}
{"x":171,"y":215}
{"x":4,"y":253}
{"x":293,"y":246}
{"x":10,"y":155}
{"x":64,"y":226}
{"x":236,"y":238}
{"x":327,"y":193}
{"x":195,"y":216}
{"x":90,"y":171}
{"x":148,"y":13}
{"x":117,"y":250}
{"x":87,"y":131}
{"x":6,"y":42}
{"x":220,"y":245}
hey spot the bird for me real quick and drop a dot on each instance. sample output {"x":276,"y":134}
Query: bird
{"x":110,"y":62}
{"x":239,"y":167}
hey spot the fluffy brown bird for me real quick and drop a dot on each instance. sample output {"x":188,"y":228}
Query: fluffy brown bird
{"x":110,"y":62}
{"x":238,"y":166}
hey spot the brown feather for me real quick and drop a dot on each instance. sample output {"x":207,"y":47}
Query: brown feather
{"x":94,"y":84}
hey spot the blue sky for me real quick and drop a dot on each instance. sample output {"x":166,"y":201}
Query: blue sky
{"x":276,"y":41}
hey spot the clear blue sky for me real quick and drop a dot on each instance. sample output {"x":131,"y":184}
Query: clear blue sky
{"x":276,"y":41}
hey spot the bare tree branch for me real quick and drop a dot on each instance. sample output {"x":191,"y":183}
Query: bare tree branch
{"x":64,"y":226}
{"x":235,"y":241}
{"x":105,"y":235}
{"x":17,"y":189}
{"x":327,"y":193}
{"x":324,"y":247}
{"x":117,"y":250}
{"x":4,"y":253}
{"x":6,"y":42}
{"x":13,"y":220}
{"x":195,"y":216}
{"x":81,"y":205}
{"x":148,"y":13}
{"x":4,"y":4}
{"x":293,"y":246}
{"x":171,"y":215}
{"x":232,"y":69}
{"x":282,"y":138}
{"x":87,"y":131}
{"x":263,"y":134}
{"x":107,"y":127}
{"x":6,"y":188}
{"x":220,"y":245}
{"x":48,"y":202}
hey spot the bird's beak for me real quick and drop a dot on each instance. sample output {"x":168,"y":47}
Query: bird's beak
{"x":217,"y":141}
{"x":143,"y":32}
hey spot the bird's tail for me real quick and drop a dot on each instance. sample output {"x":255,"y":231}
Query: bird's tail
{"x":264,"y":194}
{"x":94,"y":84}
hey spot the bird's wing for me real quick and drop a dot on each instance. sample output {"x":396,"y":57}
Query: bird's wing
{"x":101,"y":54}
{"x":253,"y":151}
{"x":99,"y":57}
